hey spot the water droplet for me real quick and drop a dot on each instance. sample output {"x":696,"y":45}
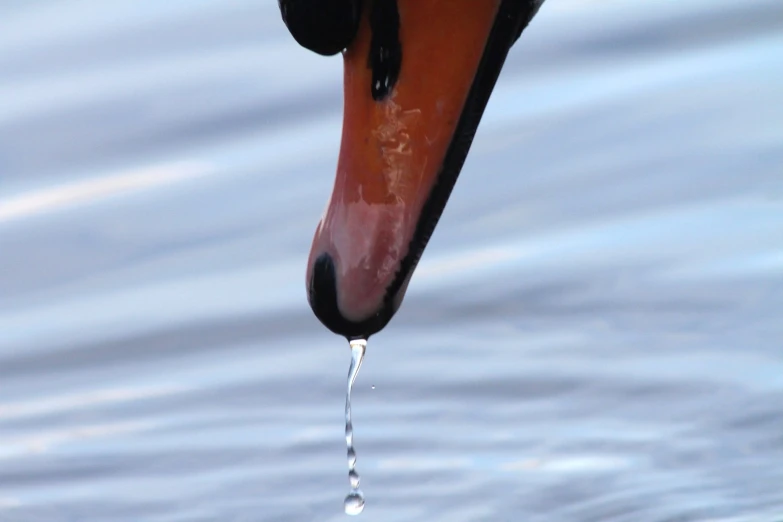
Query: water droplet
{"x":373,"y":386}
{"x":353,"y":478}
{"x":354,"y":502}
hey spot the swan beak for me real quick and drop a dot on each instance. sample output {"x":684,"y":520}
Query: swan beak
{"x":402,"y":132}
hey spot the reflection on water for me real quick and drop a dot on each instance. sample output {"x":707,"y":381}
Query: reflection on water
{"x":597,"y":318}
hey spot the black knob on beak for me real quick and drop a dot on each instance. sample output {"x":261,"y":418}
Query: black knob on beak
{"x":325,"y":27}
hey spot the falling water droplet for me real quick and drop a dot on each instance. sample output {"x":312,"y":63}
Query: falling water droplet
{"x":354,"y":502}
{"x":373,"y":386}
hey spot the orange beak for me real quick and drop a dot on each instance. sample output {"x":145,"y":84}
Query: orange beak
{"x":415,"y":89}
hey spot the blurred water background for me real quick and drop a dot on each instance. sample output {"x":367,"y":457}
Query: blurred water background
{"x":594,"y":333}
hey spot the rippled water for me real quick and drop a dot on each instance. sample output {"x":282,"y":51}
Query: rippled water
{"x":594,"y":332}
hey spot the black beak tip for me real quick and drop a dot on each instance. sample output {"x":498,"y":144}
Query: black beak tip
{"x":322,"y":295}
